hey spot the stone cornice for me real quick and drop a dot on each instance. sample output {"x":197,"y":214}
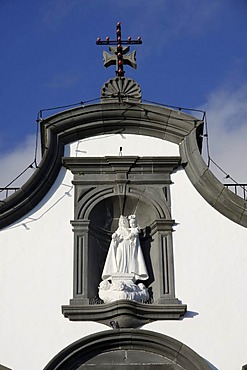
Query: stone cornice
{"x":126,"y":312}
{"x":129,"y":118}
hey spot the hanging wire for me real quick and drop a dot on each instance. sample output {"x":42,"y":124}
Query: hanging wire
{"x":30,"y":220}
{"x":207,"y":137}
{"x":17,"y":177}
{"x":39,"y":119}
{"x":61,"y":107}
{"x":210,"y":160}
{"x":175,"y":107}
{"x":69,"y":105}
{"x":82,"y":103}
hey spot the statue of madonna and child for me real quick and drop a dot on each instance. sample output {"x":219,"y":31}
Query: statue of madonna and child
{"x":124,"y":265}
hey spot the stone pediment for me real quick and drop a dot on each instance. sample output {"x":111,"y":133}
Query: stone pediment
{"x":140,"y":119}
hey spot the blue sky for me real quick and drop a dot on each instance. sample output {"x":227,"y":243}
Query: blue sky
{"x":194,"y":54}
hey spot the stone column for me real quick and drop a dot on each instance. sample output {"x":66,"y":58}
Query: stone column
{"x":80,"y":274}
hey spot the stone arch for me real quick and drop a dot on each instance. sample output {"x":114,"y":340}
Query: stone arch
{"x":140,"y":119}
{"x":132,"y":201}
{"x":130,"y":348}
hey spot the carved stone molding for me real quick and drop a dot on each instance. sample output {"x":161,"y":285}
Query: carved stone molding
{"x":127,"y":314}
{"x":121,"y":89}
{"x":140,"y":179}
{"x":105,"y":188}
{"x":141,"y":119}
{"x":130,"y":348}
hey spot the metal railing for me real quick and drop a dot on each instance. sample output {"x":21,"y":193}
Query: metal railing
{"x":238,"y":189}
{"x":6,"y":192}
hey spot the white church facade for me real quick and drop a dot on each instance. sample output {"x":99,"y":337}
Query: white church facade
{"x":182,"y":306}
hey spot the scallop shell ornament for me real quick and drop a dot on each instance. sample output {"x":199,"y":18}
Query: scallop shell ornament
{"x":121,"y":89}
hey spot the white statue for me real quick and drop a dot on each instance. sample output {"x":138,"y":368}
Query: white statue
{"x":124,"y":265}
{"x":125,"y":254}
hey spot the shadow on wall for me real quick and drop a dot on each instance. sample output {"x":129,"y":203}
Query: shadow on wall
{"x":189,"y":315}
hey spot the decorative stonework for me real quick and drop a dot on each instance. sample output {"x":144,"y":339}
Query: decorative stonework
{"x":128,"y":349}
{"x":98,"y":119}
{"x":119,"y":54}
{"x":122,"y":286}
{"x":125,"y":313}
{"x":136,"y":290}
{"x":121,"y":89}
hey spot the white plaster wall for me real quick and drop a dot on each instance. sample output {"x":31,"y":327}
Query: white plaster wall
{"x":210,"y":254}
{"x":35,"y":280}
{"x":131,"y":145}
{"x":36,"y":271}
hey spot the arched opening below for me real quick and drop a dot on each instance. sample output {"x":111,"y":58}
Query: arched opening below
{"x":127,"y":349}
{"x":131,"y":360}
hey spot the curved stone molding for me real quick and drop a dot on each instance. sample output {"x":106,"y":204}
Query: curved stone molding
{"x":126,"y":313}
{"x":121,"y":89}
{"x":130,"y":167}
{"x":100,"y":351}
{"x":146,"y":196}
{"x":215,"y":193}
{"x":99,"y":119}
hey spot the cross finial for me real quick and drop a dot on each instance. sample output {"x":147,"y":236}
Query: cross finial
{"x":119,"y":54}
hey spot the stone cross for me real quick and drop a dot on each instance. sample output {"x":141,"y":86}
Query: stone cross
{"x":119,"y":54}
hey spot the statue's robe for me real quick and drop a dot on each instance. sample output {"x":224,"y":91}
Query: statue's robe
{"x":125,"y":255}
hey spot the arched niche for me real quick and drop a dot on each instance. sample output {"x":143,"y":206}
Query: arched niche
{"x":128,"y":349}
{"x":105,"y":188}
{"x":106,"y":212}
{"x":158,"y":256}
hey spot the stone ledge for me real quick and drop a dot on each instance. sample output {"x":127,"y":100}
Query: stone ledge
{"x":124,"y":313}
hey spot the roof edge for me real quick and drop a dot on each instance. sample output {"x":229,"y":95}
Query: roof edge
{"x":129,"y":118}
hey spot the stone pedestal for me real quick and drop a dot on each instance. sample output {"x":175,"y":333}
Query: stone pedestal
{"x":122,"y":286}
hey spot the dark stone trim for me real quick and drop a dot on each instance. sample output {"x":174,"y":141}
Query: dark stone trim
{"x":124,"y":164}
{"x":81,"y":351}
{"x":126,"y":313}
{"x":211,"y":189}
{"x":121,"y":89}
{"x":106,"y":118}
{"x":4,"y":368}
{"x":101,"y":177}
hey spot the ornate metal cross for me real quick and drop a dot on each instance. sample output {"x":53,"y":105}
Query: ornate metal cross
{"x":119,"y":54}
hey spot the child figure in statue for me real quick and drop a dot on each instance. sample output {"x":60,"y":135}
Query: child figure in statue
{"x":125,"y":254}
{"x":124,"y":265}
